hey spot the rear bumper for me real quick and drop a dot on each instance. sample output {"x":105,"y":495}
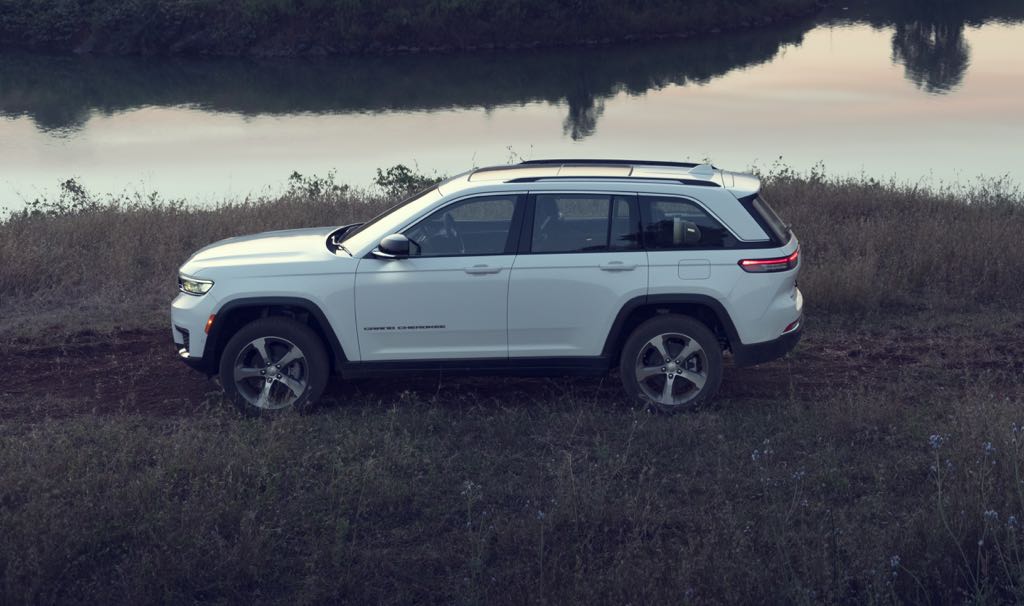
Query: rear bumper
{"x":758,"y":353}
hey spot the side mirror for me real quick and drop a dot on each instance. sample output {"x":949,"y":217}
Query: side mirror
{"x":395,"y":246}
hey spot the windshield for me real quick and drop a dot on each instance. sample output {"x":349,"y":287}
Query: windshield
{"x":385,"y":223}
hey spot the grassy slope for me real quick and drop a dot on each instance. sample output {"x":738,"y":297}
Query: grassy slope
{"x":287,"y":27}
{"x":801,"y":493}
{"x":869,"y":248}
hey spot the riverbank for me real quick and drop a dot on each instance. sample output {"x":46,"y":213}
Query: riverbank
{"x":99,"y":262}
{"x":322,"y":27}
{"x":877,"y":463}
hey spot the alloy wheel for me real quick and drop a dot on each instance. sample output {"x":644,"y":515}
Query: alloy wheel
{"x":671,"y":369}
{"x":271,"y":373}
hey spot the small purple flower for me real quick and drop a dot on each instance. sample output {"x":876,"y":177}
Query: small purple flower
{"x":936,"y":441}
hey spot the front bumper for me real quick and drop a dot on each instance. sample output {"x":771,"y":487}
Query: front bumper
{"x":758,"y":353}
{"x":188,"y":323}
{"x":182,"y":337}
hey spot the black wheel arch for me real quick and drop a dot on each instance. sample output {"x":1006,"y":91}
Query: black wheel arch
{"x":706,"y":309}
{"x":236,"y":313}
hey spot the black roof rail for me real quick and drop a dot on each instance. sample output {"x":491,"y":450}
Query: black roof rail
{"x":696,"y":182}
{"x":604,"y":161}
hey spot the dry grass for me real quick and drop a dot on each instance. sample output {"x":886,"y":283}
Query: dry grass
{"x":881,"y":247}
{"x":571,"y":497}
{"x":98,"y":264}
{"x":894,"y":477}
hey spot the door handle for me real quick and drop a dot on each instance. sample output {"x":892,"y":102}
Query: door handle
{"x":482,"y":269}
{"x":617,"y":266}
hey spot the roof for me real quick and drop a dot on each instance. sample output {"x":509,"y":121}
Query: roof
{"x":685,"y":173}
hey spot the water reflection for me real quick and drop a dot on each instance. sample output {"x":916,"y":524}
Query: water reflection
{"x":60,"y":93}
{"x":928,"y":37}
{"x":934,"y":55}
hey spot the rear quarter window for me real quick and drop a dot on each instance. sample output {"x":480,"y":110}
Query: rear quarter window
{"x":676,"y":223}
{"x":767,"y":218}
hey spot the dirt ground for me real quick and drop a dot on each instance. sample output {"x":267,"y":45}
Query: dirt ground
{"x":137,"y":372}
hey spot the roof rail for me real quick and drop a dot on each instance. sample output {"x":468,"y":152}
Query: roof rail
{"x":603,"y":161}
{"x":697,"y":182}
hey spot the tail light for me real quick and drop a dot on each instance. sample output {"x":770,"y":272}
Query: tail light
{"x":764,"y":266}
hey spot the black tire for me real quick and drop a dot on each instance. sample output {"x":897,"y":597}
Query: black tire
{"x":297,"y":386}
{"x":699,"y":372}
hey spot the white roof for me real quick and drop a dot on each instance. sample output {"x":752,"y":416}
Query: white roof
{"x":701,"y":175}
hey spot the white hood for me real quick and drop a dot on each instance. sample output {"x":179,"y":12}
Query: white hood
{"x":288,"y":246}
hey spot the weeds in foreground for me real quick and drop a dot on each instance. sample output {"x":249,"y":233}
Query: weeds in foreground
{"x":971,"y":488}
{"x":457,"y":498}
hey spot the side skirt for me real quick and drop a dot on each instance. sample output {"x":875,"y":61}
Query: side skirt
{"x":526,"y":367}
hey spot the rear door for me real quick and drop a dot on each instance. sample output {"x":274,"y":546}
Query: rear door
{"x":690,"y":250}
{"x":580,"y":260}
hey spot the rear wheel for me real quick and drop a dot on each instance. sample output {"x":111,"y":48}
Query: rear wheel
{"x":672,"y":363}
{"x":274,"y":364}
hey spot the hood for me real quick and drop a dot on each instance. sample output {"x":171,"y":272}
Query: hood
{"x":268,"y":248}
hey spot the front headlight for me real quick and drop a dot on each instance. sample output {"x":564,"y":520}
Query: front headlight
{"x":194,"y":286}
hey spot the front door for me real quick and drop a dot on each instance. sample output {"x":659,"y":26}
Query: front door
{"x":449,"y":298}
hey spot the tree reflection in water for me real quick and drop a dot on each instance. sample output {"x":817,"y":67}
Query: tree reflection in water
{"x":61,"y":93}
{"x":934,"y":55}
{"x":929,"y":35}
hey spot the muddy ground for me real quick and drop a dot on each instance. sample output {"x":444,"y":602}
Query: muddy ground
{"x":137,"y":372}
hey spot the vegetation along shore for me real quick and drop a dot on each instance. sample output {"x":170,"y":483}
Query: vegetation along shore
{"x":322,"y":27}
{"x":879,"y":463}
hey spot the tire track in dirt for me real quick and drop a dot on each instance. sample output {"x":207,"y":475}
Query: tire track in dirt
{"x":138,"y":372}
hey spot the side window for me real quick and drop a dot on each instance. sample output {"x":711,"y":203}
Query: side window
{"x":567,"y":223}
{"x":477,"y":226}
{"x":674,"y":223}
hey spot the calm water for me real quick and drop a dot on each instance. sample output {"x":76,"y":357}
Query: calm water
{"x":876,"y":89}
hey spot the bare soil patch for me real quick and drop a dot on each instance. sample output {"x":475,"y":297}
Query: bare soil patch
{"x":137,"y":372}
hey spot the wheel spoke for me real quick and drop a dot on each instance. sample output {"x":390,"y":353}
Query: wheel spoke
{"x":260,"y":345}
{"x":263,"y":399}
{"x":691,"y":348}
{"x":294,"y":354}
{"x":246,"y":373}
{"x":296,"y":387}
{"x":694,"y":377}
{"x":659,"y":344}
{"x":666,"y":392}
{"x":646,"y":372}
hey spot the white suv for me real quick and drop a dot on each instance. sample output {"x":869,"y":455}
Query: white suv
{"x":545,"y":267}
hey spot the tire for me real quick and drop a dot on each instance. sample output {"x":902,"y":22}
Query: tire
{"x":259,"y":386}
{"x":692,"y":372}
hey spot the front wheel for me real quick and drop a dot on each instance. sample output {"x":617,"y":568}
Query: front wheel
{"x":273,"y":364}
{"x":672,"y":363}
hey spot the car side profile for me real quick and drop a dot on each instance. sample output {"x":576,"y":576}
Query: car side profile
{"x":546,"y":267}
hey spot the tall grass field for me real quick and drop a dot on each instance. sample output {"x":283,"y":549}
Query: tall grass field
{"x":882,"y":462}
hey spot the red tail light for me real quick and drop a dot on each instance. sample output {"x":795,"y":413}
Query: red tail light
{"x":763,"y":266}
